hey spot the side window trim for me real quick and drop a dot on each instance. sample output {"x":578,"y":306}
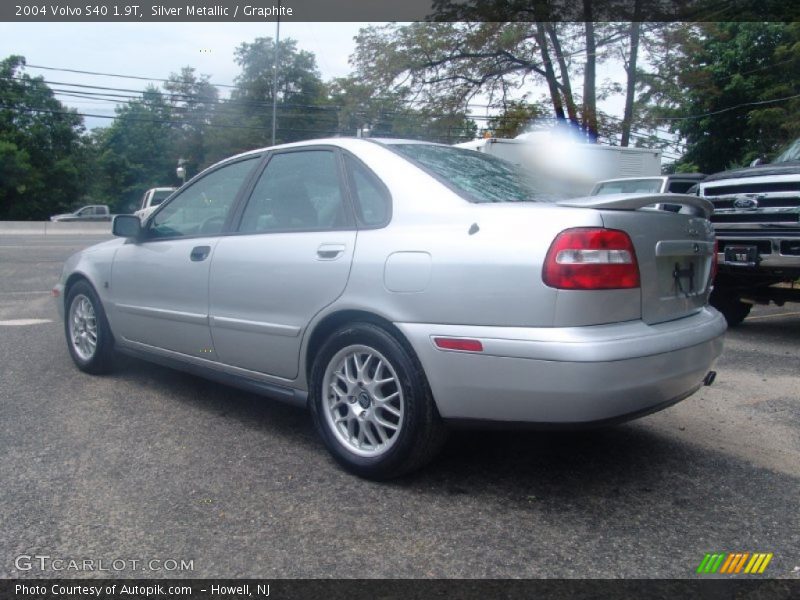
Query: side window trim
{"x":226,"y":228}
{"x":242,"y":202}
{"x":352,"y":195}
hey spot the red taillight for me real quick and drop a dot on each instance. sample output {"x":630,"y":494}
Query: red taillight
{"x":465,"y":345}
{"x":591,"y":259}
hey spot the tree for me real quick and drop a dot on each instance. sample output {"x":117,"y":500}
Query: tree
{"x":515,"y":119}
{"x":302,"y":105}
{"x":138,"y":151}
{"x":445,"y":65}
{"x":40,"y":167}
{"x":193,"y":101}
{"x":729,"y":89}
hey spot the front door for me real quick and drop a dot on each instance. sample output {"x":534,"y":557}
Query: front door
{"x":159,"y":284}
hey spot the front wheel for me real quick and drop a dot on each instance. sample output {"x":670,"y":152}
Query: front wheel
{"x":728,"y":303}
{"x":372,"y":405}
{"x":89,"y":338}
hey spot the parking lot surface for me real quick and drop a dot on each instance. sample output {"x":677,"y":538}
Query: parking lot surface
{"x":150,"y":464}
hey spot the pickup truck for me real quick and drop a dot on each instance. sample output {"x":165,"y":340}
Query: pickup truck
{"x":152,"y":198}
{"x":93,"y":212}
{"x":757,"y":222}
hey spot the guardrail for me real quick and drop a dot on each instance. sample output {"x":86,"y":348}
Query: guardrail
{"x":54,"y":228}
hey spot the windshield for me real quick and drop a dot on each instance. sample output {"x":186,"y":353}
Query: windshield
{"x":475,"y":176}
{"x":791,"y":154}
{"x":628,"y":186}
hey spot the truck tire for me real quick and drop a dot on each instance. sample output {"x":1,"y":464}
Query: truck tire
{"x":730,"y":305}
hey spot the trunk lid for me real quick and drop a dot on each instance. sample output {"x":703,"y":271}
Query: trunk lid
{"x":674,"y":250}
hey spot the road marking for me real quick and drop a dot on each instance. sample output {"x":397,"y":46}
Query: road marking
{"x":24,"y":293}
{"x":789,"y":314}
{"x":21,"y":322}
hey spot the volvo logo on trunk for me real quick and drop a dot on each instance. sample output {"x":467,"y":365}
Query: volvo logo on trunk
{"x":745,"y":203}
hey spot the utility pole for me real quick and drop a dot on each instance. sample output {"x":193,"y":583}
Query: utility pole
{"x":275,"y":71}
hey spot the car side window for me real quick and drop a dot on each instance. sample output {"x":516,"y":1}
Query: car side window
{"x":201,"y":209}
{"x":298,"y":191}
{"x":372,"y":200}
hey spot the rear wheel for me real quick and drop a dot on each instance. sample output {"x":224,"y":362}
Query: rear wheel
{"x":372,"y":405}
{"x":89,"y":338}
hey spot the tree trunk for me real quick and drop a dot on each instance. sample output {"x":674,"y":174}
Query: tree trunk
{"x":627,"y":119}
{"x":589,"y":76}
{"x":552,"y":83}
{"x":566,"y":87}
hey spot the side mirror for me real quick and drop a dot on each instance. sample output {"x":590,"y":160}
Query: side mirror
{"x":759,"y":161}
{"x":127,"y":226}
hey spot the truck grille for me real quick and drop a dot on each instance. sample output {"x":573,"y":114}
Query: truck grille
{"x":762,"y":202}
{"x":753,"y":188}
{"x":782,"y":218}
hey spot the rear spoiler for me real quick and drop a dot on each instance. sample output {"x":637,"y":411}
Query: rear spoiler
{"x":686,"y":204}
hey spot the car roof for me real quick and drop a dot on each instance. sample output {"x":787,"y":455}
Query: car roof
{"x":342,"y":142}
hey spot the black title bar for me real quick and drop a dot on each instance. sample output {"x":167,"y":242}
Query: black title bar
{"x":358,"y":589}
{"x":406,"y":10}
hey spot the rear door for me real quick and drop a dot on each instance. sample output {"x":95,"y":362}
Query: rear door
{"x":289,"y":258}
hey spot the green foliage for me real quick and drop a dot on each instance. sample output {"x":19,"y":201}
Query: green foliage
{"x":727,"y":88}
{"x":515,"y":119}
{"x":193,"y":101}
{"x":40,"y":167}
{"x":137,"y":151}
{"x":301,"y":99}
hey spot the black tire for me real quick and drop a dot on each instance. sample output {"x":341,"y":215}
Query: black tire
{"x":420,"y":431}
{"x":728,"y":303}
{"x":100,"y":359}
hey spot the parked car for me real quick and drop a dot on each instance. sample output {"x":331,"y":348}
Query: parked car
{"x":677,"y":183}
{"x":397,"y":288}
{"x":93,"y":212}
{"x":152,"y":198}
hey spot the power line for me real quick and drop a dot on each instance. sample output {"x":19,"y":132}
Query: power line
{"x":141,"y":78}
{"x":730,"y":108}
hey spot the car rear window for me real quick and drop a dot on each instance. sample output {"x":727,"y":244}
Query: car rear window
{"x":475,"y":176}
{"x":629,"y":186}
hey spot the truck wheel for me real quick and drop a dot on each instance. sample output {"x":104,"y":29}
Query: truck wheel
{"x":728,"y":303}
{"x":372,"y":405}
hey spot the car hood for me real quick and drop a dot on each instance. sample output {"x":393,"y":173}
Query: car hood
{"x":790,"y":168}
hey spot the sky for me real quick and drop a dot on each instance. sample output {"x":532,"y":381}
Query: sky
{"x":158,"y":49}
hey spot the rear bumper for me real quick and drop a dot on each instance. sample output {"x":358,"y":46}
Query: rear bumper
{"x":572,"y":376}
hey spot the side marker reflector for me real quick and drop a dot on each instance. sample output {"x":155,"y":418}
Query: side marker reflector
{"x":464,"y":345}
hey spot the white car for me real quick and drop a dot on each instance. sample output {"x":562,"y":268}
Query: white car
{"x":398,"y":287}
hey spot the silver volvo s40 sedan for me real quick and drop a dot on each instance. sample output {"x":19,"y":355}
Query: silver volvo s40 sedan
{"x":397,"y":288}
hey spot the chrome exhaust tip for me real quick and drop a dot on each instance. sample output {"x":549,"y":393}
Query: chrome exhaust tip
{"x":709,"y":378}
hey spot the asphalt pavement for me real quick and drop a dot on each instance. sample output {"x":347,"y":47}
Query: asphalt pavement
{"x":162,"y":468}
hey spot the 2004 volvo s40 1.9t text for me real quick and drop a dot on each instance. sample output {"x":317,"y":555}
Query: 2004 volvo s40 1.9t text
{"x":397,"y":288}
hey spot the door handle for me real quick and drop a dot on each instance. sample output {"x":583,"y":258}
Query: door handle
{"x":330,"y":251}
{"x":200,"y":253}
